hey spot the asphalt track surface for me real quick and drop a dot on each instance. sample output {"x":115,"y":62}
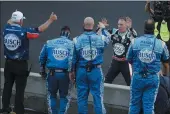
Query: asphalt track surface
{"x":73,"y":110}
{"x":72,"y":14}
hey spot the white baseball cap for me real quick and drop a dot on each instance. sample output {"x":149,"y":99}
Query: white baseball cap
{"x":17,"y":16}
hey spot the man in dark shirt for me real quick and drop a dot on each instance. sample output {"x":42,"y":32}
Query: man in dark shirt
{"x":121,"y":39}
{"x":16,"y":52}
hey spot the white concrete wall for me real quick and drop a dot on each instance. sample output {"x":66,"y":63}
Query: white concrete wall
{"x":116,"y":95}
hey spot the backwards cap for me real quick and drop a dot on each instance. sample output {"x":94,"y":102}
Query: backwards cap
{"x":17,"y":16}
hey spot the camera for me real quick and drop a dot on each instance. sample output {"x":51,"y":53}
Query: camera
{"x":161,"y":10}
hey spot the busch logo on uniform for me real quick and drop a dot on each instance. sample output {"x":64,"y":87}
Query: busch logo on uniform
{"x":88,"y":53}
{"x":146,"y":56}
{"x":60,"y":53}
{"x":119,"y":49}
{"x":12,"y":42}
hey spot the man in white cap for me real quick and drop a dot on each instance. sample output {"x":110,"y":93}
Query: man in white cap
{"x":17,"y":16}
{"x":16,"y":52}
{"x":88,"y":57}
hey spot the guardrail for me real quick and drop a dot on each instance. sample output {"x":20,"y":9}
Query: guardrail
{"x":35,"y":93}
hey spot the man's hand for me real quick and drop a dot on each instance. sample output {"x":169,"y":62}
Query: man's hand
{"x":53,"y":16}
{"x":44,"y":26}
{"x":9,"y":21}
{"x":129,"y":24}
{"x":103,"y":23}
{"x":147,"y":2}
{"x":148,"y":8}
{"x":42,"y":72}
{"x":166,"y":69}
{"x":43,"y":75}
{"x":72,"y":76}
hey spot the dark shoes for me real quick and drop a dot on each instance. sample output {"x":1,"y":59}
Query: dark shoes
{"x":5,"y":111}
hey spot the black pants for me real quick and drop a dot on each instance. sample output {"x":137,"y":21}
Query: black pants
{"x":15,"y":71}
{"x":117,"y":67}
{"x":162,"y":102}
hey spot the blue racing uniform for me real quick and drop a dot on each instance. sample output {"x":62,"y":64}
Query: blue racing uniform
{"x":89,"y":49}
{"x":145,"y":54}
{"x":56,"y":55}
{"x":16,"y":41}
{"x":16,"y":53}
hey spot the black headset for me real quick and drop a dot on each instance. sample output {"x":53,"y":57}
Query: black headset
{"x":65,"y":31}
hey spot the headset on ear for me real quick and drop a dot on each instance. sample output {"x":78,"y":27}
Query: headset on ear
{"x":65,"y":31}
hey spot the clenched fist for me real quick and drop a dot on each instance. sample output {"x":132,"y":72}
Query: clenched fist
{"x":53,"y":16}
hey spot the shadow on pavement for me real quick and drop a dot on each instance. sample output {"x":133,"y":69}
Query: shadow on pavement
{"x":73,"y":110}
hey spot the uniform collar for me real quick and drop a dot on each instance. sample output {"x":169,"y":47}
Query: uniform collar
{"x":149,"y":35}
{"x":15,"y":25}
{"x":63,"y":37}
{"x":123,"y":33}
{"x":88,"y":32}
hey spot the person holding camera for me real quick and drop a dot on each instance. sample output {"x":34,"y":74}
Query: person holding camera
{"x":161,"y":15}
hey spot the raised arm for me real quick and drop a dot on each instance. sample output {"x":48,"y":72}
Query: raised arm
{"x":33,"y":33}
{"x":148,"y":8}
{"x":44,"y":26}
{"x":103,"y":32}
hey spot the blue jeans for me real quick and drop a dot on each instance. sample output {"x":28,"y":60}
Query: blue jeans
{"x":92,"y":82}
{"x":143,"y":92}
{"x":60,"y":81}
